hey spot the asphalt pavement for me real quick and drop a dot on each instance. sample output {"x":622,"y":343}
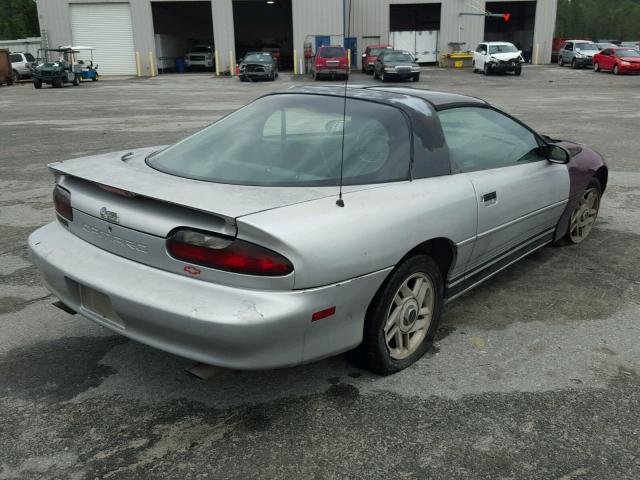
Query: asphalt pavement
{"x":534,"y":375}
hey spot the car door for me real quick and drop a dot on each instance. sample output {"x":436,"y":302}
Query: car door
{"x":607,"y":59}
{"x":567,"y":52}
{"x":520,"y":194}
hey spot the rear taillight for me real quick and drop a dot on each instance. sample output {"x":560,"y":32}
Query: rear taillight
{"x":224,"y":253}
{"x":62,"y":202}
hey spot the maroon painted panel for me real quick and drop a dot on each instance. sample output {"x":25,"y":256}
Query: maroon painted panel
{"x":582,"y":167}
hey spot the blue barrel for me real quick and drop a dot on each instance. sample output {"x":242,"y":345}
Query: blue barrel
{"x":180,"y":65}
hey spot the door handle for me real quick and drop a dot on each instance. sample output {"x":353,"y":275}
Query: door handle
{"x":490,"y":198}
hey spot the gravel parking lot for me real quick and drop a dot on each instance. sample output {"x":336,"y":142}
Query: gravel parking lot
{"x":536,"y":374}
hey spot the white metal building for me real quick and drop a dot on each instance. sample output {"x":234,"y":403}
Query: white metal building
{"x":119,"y":29}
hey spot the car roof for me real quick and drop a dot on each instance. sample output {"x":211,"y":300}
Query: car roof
{"x":498,"y":43}
{"x":331,"y":46}
{"x":390,"y":95}
{"x":581,"y":41}
{"x":256,"y":53}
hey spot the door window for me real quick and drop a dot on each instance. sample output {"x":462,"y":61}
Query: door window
{"x":482,"y":139}
{"x":481,"y":48}
{"x":568,"y":46}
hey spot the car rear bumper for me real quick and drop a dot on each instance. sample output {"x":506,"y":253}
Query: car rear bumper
{"x":206,"y":322}
{"x":332,"y":71}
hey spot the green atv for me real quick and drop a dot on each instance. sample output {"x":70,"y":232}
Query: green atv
{"x":57,"y":72}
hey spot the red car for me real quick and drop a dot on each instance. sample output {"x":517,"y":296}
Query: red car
{"x":330,"y":61}
{"x":618,"y":60}
{"x":370,"y":56}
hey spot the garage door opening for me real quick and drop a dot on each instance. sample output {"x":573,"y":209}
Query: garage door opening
{"x":416,"y":29}
{"x":183,"y":34}
{"x":518,"y":30}
{"x":262,"y":26}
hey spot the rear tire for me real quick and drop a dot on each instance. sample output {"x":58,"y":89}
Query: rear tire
{"x":37,"y":83}
{"x":596,"y":67}
{"x":403,"y":317}
{"x":518,"y":71}
{"x":16,"y":76}
{"x":416,"y":78}
{"x":560,"y":61}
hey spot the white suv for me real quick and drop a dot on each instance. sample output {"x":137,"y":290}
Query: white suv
{"x":21,"y":64}
{"x":200,"y":56}
{"x":492,"y":57}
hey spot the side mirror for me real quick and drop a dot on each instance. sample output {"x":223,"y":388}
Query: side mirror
{"x":556,"y":153}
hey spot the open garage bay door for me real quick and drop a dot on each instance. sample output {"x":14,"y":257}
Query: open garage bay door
{"x":518,"y":30}
{"x":107,"y":28}
{"x":416,"y":28}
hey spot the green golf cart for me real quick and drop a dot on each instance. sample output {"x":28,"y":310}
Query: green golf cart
{"x":56,"y":68}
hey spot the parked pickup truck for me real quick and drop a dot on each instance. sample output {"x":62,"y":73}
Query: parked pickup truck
{"x":200,"y":57}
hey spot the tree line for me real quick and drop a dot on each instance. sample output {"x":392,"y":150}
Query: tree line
{"x":599,"y":19}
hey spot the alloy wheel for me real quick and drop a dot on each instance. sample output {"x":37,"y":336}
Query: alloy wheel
{"x":585,"y":215}
{"x":409,"y":316}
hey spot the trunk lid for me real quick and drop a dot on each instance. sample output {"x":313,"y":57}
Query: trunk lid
{"x":128,"y":171}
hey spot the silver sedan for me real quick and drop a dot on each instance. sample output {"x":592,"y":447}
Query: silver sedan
{"x":309,"y":223}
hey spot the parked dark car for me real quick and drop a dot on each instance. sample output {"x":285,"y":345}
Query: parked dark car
{"x":396,"y":64}
{"x":330,"y":61}
{"x":258,"y":65}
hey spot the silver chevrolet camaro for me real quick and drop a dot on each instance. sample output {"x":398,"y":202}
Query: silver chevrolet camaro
{"x":311,"y":222}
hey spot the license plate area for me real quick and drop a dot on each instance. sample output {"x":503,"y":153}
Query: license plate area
{"x":99,"y":305}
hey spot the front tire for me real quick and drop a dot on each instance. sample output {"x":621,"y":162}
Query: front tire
{"x":57,"y":82}
{"x":403,"y":317}
{"x":596,"y":67}
{"x":616,"y":70}
{"x":574,"y":64}
{"x":416,"y":78}
{"x":585,"y":214}
{"x":37,"y":83}
{"x":518,"y":71}
{"x":485,"y":70}
{"x":383,"y":77}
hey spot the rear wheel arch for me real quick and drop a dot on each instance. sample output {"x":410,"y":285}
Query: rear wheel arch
{"x":442,"y":250}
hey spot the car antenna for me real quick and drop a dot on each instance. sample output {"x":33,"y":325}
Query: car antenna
{"x":346,"y":21}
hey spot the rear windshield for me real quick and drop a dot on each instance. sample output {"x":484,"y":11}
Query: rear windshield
{"x":296,"y":140}
{"x":627,"y":53}
{"x":502,"y":49}
{"x":258,"y":57}
{"x":331,"y":52}
{"x":15,"y":58}
{"x":586,"y":46}
{"x":398,"y":57}
{"x":376,"y":51}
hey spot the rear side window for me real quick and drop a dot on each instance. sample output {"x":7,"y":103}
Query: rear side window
{"x":482,"y":139}
{"x":296,"y":140}
{"x":29,"y":57}
{"x":332,"y":52}
{"x":15,"y":58}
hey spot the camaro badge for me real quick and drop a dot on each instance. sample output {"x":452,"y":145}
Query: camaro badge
{"x":109,"y":216}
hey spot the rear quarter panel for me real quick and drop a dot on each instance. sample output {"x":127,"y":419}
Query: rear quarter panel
{"x":375,"y":229}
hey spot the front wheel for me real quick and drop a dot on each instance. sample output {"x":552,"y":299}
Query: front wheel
{"x":57,"y":82}
{"x":574,"y":64}
{"x":585,"y":214}
{"x":16,"y":76}
{"x":403,"y":317}
{"x":518,"y":71}
{"x":485,"y":70}
{"x":37,"y":83}
{"x":616,"y":70}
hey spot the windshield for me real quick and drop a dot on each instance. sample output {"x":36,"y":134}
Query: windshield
{"x":586,"y":46}
{"x":200,"y":49}
{"x":296,"y":140}
{"x":257,"y":57}
{"x":331,"y":52}
{"x":398,"y":57}
{"x":508,"y":48}
{"x":630,"y":52}
{"x":376,"y":51}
